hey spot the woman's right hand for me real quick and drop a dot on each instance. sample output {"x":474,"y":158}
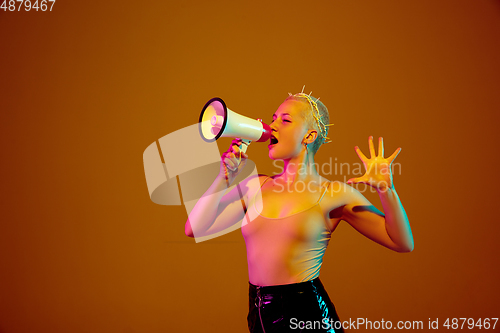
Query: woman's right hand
{"x":232,"y":161}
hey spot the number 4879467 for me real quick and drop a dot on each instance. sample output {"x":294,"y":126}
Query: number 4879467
{"x":27,"y":5}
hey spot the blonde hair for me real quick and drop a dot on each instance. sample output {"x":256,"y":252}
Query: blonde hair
{"x":316,"y":116}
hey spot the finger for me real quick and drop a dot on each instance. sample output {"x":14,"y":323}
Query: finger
{"x":372,"y":148}
{"x":229,"y":164}
{"x":235,"y":159}
{"x":229,"y":159}
{"x":236,"y":150}
{"x":235,"y":142}
{"x":360,"y":154}
{"x":223,"y":156}
{"x":381,"y":147}
{"x":355,"y":180}
{"x":394,"y":155}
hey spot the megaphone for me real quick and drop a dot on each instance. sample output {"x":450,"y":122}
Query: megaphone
{"x":217,"y":121}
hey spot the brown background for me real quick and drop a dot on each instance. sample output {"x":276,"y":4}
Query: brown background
{"x":87,"y":87}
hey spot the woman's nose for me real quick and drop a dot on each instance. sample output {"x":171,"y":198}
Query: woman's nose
{"x":273,"y":126}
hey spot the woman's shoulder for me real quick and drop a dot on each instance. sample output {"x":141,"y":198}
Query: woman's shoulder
{"x":334,"y":183}
{"x":329,"y":184}
{"x":339,"y":192}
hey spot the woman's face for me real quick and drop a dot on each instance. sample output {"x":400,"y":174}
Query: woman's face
{"x":288,"y":130}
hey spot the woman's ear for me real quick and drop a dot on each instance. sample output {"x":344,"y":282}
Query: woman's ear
{"x":310,"y":137}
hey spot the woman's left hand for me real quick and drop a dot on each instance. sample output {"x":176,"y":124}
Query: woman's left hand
{"x":378,"y":169}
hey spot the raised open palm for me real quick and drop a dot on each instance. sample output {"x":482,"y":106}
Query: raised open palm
{"x":378,"y":169}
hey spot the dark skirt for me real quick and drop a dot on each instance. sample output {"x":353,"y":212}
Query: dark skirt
{"x":299,"y":307}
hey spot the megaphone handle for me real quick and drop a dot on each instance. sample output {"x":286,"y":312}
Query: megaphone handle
{"x":243,"y":148}
{"x":244,"y":145}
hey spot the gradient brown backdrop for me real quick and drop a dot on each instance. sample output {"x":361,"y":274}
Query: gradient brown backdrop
{"x":87,"y":87}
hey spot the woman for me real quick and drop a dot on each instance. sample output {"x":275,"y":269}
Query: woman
{"x":290,"y":218}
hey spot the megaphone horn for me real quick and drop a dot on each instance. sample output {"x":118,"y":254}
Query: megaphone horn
{"x":216,"y":121}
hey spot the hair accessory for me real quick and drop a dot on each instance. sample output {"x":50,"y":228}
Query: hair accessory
{"x":315,"y":112}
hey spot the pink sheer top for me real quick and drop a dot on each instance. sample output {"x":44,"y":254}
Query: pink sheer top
{"x":288,"y":249}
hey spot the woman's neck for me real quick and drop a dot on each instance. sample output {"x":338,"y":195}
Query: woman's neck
{"x":299,"y":168}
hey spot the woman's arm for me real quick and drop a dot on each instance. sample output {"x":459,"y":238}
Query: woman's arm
{"x":217,"y":210}
{"x":396,"y":220}
{"x":391,"y":228}
{"x":209,"y":206}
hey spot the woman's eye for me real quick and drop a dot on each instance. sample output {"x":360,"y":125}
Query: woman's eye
{"x":286,"y":120}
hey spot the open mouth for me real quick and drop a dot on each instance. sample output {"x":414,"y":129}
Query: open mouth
{"x":273,"y":140}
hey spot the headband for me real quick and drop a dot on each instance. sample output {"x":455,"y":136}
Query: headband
{"x":317,"y":116}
